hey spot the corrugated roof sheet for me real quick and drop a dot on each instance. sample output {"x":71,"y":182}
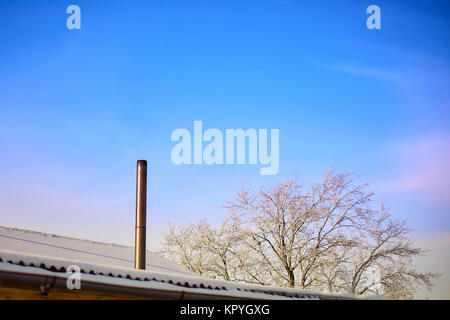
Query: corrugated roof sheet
{"x":23,"y":251}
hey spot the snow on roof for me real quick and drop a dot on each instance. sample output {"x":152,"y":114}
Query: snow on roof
{"x":50,"y":245}
{"x":28,"y":252}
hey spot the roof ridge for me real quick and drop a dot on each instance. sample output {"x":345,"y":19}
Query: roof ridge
{"x":65,"y":237}
{"x":12,"y":233}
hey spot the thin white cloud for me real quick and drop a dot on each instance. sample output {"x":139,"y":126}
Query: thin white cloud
{"x":437,"y":261}
{"x":369,"y":72}
{"x":422,"y":167}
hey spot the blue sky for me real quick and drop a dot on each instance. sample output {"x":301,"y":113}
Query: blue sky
{"x":79,"y":107}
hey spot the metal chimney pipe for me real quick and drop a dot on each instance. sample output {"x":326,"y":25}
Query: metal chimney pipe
{"x":141,"y":213}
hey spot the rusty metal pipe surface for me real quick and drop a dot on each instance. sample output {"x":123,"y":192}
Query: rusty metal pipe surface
{"x":141,"y":214}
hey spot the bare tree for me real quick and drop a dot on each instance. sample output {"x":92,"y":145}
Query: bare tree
{"x":322,"y":236}
{"x":381,"y":262}
{"x":183,"y":246}
{"x":211,"y":252}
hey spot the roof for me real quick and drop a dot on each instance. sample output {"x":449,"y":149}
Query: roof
{"x":35,"y":256}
